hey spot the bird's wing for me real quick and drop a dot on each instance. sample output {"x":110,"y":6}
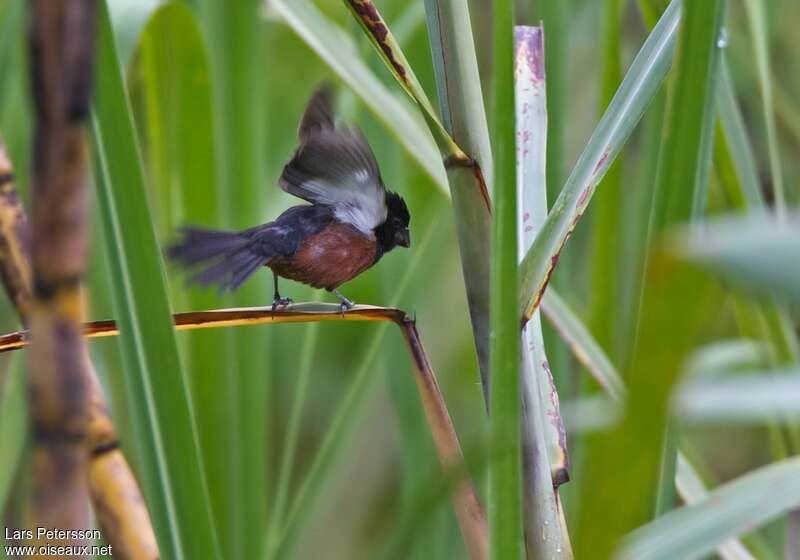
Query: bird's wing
{"x":335,"y":167}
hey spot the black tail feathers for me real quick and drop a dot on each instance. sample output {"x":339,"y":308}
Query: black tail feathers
{"x":223,"y":258}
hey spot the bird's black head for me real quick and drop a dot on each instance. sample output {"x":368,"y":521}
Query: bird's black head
{"x":394,"y":231}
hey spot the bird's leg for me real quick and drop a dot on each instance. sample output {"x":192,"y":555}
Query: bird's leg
{"x":346,"y":303}
{"x":277,"y":300}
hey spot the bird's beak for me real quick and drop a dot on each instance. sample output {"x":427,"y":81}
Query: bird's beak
{"x":404,"y":238}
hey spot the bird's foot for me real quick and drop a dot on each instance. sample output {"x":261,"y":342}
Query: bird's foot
{"x":281,"y":302}
{"x":345,"y":303}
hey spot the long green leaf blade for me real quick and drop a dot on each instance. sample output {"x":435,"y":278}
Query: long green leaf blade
{"x":179,"y":127}
{"x":166,"y":438}
{"x":758,"y":26}
{"x":234,"y":32}
{"x":504,"y":396}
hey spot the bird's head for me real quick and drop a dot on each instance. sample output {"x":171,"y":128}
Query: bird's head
{"x":394,"y":230}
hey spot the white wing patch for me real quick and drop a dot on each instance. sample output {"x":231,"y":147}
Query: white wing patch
{"x":362,"y":175}
{"x":363,"y":209}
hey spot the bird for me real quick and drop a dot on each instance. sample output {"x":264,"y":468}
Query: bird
{"x":351,"y":220}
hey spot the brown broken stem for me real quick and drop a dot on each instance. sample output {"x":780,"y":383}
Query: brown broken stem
{"x":62,"y":47}
{"x":114,"y":492}
{"x":467,"y":506}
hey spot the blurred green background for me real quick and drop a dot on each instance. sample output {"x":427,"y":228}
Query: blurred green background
{"x":379,"y":490}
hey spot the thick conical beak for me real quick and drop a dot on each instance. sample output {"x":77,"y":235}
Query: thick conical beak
{"x":403,"y":238}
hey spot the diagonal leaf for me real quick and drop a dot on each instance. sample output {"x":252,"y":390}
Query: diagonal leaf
{"x":462,"y":103}
{"x":736,"y":507}
{"x":640,"y":84}
{"x":166,"y":439}
{"x":366,"y":14}
{"x":585,"y":348}
{"x":329,"y":42}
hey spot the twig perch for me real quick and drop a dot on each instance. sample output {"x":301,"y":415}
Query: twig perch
{"x":468,"y":509}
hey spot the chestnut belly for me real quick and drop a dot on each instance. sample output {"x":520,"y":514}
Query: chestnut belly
{"x":329,"y":258}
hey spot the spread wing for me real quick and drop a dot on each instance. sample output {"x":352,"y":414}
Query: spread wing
{"x":335,"y":167}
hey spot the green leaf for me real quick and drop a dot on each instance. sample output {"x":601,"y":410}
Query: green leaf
{"x":128,"y":18}
{"x":759,"y":253}
{"x":157,"y":388}
{"x":234,"y":33}
{"x":585,"y":348}
{"x":504,"y":411}
{"x":388,"y":49}
{"x":735,"y":508}
{"x":623,"y":464}
{"x":330,"y":42}
{"x":758,"y":28}
{"x":640,"y":84}
{"x":13,"y":424}
{"x":755,"y":397}
{"x":462,"y":104}
{"x":684,"y":160}
{"x":743,"y":179}
{"x":607,"y":250}
{"x":180,"y":141}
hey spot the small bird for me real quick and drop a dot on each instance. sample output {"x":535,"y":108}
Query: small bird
{"x":351,"y":223}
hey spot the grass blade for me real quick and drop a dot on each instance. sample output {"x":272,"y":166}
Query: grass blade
{"x":180,"y":140}
{"x":684,"y":161}
{"x":504,"y":395}
{"x":736,"y":507}
{"x":734,"y":137}
{"x":756,"y":16}
{"x":619,"y":466}
{"x":607,"y":249}
{"x":166,"y":439}
{"x":13,"y":425}
{"x":640,"y":84}
{"x":234,"y":33}
{"x":585,"y":348}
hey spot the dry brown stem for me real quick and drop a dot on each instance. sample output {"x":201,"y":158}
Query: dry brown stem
{"x":73,"y":435}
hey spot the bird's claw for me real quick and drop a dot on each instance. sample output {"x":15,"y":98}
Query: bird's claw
{"x":280,"y":302}
{"x":345,"y":306}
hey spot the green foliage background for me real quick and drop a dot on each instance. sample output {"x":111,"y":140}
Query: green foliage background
{"x":215,"y":92}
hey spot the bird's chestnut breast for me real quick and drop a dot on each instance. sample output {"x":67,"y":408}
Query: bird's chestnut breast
{"x":329,"y":258}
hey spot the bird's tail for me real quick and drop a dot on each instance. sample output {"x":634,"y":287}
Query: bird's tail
{"x":223,"y":258}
